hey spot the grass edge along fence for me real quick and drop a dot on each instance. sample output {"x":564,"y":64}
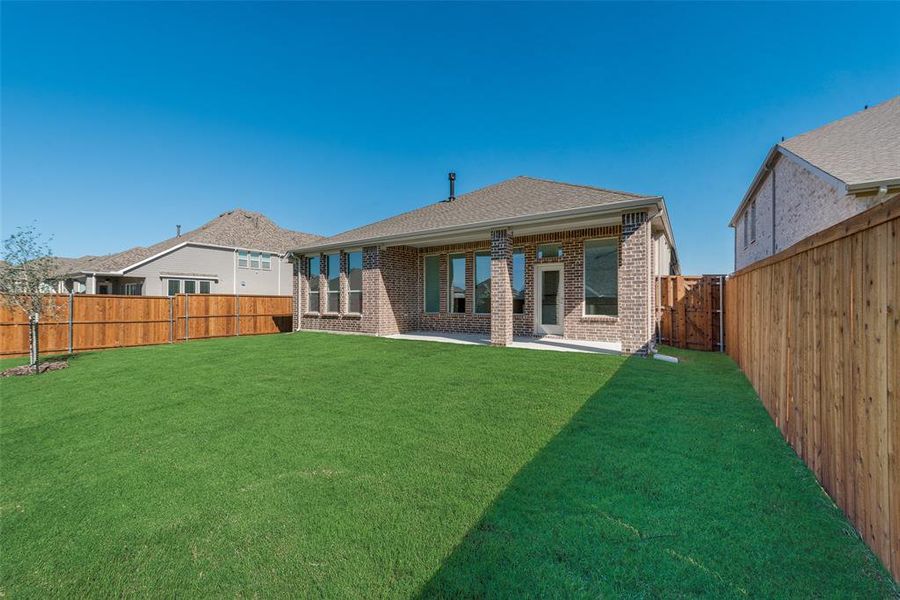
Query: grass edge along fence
{"x":94,"y":322}
{"x":816,"y":329}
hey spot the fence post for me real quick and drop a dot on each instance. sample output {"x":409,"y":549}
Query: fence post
{"x":721,"y":313}
{"x":237,"y":300}
{"x":171,"y":319}
{"x":186,"y":311}
{"x":71,"y":322}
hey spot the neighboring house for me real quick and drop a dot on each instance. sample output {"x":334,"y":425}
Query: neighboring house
{"x":239,"y":252}
{"x":524,"y":257}
{"x":818,"y":179}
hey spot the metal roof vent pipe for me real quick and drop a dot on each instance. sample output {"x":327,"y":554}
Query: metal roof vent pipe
{"x":452,"y":177}
{"x":178,"y":231}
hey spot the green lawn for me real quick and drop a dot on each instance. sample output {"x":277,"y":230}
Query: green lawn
{"x":344,"y":466}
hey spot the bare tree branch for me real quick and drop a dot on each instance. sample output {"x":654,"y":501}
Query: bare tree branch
{"x":27,"y":273}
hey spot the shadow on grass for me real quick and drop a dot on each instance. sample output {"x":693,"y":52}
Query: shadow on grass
{"x":668,"y":481}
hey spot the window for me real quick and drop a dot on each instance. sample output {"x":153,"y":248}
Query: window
{"x":205,"y":287}
{"x":190,"y":286}
{"x":746,"y":237}
{"x":312,"y":271}
{"x":254,"y":260}
{"x":132,"y":289}
{"x":549,"y":251}
{"x":355,"y":279}
{"x":518,"y":282}
{"x":601,"y":277}
{"x":333,"y":273}
{"x":753,"y":221}
{"x":174,"y":287}
{"x":432,"y":283}
{"x":482,"y":282}
{"x":457,"y":283}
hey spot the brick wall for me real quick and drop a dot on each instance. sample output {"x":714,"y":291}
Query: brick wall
{"x":804,"y":204}
{"x":393,"y":294}
{"x":501,"y":288}
{"x":318,"y":317}
{"x":576,"y":324}
{"x":635,"y":284}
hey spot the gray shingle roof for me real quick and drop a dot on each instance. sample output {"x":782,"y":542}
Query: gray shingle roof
{"x":861,"y":148}
{"x":237,"y":228}
{"x":510,"y":199}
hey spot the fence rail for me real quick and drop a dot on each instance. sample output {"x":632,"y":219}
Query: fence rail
{"x":94,"y":322}
{"x":689,"y":311}
{"x":816,"y":329}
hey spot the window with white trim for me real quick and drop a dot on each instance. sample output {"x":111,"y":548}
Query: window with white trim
{"x":254,"y":260}
{"x":355,"y":281}
{"x":188,"y":286}
{"x":132,"y":289}
{"x":333,"y":274}
{"x":313,"y":269}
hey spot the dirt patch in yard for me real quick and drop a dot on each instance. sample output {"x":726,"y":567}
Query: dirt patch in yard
{"x":29,"y":370}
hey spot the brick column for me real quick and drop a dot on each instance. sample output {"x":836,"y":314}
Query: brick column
{"x":635,"y":284}
{"x":297,"y":300}
{"x":373,"y":291}
{"x":501,"y":288}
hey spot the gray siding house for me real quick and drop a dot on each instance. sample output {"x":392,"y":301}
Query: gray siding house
{"x":815,"y":180}
{"x":239,"y":252}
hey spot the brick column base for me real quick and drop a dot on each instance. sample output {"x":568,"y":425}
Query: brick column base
{"x":501,"y":288}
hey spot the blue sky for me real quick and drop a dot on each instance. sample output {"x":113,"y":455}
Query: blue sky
{"x":121,"y":120}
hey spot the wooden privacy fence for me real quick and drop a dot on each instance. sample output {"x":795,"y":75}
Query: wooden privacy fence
{"x":93,"y":322}
{"x":816,"y":329}
{"x":689,"y":311}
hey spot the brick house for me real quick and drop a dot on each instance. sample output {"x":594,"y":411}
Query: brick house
{"x":524,"y":257}
{"x":813,"y":181}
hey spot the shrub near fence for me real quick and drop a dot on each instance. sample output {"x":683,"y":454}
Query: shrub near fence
{"x":816,"y":329}
{"x":93,"y":322}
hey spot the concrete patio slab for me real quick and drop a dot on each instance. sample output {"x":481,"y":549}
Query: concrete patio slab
{"x":552,"y":343}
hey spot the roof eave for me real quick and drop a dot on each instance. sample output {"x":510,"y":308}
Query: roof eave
{"x":769,"y":163}
{"x":757,"y":181}
{"x":866,"y":186}
{"x":656,"y":201}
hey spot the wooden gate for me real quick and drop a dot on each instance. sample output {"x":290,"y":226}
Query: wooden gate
{"x":689,"y":311}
